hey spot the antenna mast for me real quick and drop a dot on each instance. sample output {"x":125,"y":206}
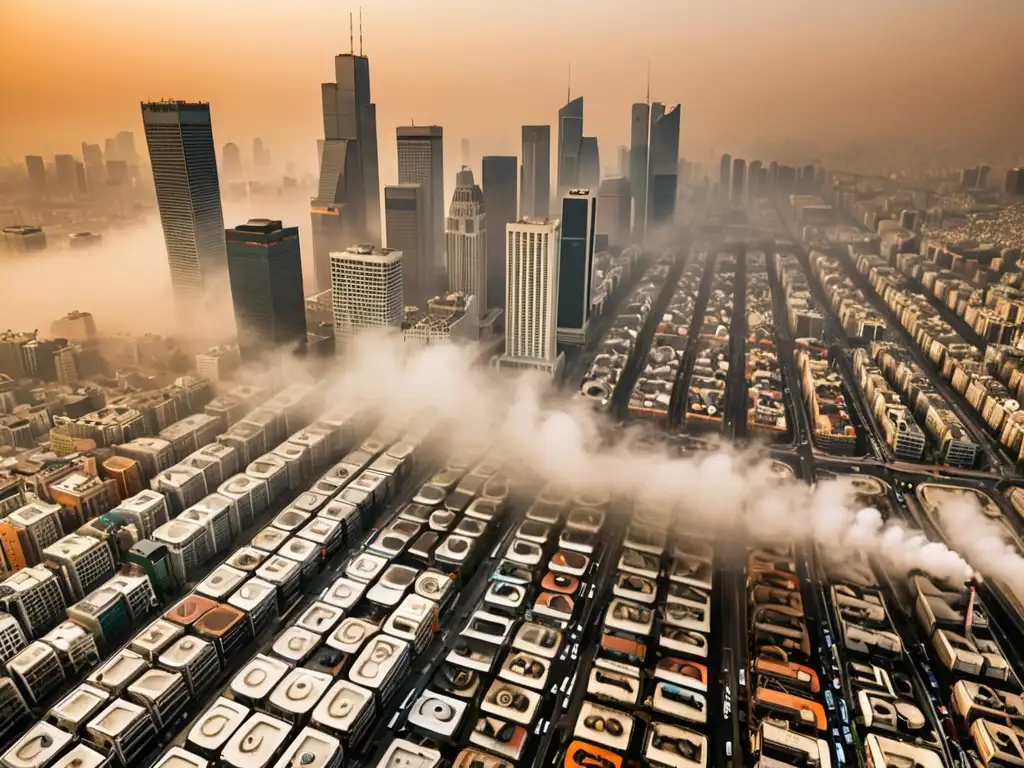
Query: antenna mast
{"x":568,"y":86}
{"x":648,"y":82}
{"x":351,"y":35}
{"x":360,"y":30}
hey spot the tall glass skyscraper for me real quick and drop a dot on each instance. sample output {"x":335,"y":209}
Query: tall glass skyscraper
{"x":179,"y":135}
{"x":575,"y":264}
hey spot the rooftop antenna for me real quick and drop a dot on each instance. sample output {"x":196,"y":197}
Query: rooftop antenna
{"x":351,"y":36}
{"x":360,"y":30}
{"x":568,"y":86}
{"x":648,"y":82}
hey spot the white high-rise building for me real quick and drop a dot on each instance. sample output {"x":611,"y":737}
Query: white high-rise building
{"x":466,"y":235}
{"x":531,"y":295}
{"x":366,"y":282}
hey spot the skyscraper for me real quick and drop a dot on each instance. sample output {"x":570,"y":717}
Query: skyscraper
{"x":260,"y":154}
{"x":739,"y":175}
{"x":532,"y":296}
{"x":754,"y":180}
{"x":724,"y":176}
{"x":36,"y":174}
{"x":231,"y":162}
{"x":575,"y":264}
{"x":179,"y":135}
{"x":405,"y":221}
{"x":535,"y":176}
{"x":64,"y":165}
{"x":613,"y":211}
{"x":590,"y":163}
{"x":367,"y":288}
{"x":126,"y":149}
{"x":92,"y":155}
{"x":347,"y":206}
{"x":421,"y":161}
{"x":639,"y":136}
{"x":265,"y":270}
{"x":663,"y":164}
{"x":622,"y":168}
{"x":570,"y":145}
{"x":466,"y":239}
{"x":500,"y":202}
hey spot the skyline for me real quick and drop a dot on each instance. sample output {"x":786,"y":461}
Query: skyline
{"x":729,"y":106}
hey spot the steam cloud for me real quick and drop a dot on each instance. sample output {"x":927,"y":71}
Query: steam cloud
{"x":558,"y":440}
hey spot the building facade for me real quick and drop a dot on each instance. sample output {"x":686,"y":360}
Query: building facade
{"x":663,"y":164}
{"x":179,"y":135}
{"x":367,"y":290}
{"x":499,"y":186}
{"x":575,"y":265}
{"x":421,"y":161}
{"x":466,"y":239}
{"x":532,"y":295}
{"x":406,"y":225}
{"x":535,"y":173}
{"x":346,"y":208}
{"x":265,"y":272}
{"x":570,"y":145}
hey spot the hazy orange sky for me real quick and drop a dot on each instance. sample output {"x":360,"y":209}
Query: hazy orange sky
{"x":744,"y":70}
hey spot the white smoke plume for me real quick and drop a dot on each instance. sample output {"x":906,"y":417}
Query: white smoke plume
{"x":986,"y":542}
{"x":558,"y":440}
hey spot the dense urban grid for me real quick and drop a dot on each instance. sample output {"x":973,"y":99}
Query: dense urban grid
{"x":681,"y":466}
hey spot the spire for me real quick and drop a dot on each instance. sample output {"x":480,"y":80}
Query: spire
{"x":351,"y":33}
{"x":648,"y":82}
{"x":360,"y":30}
{"x":568,"y":87}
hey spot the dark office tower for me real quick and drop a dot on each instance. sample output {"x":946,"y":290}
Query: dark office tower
{"x":36,"y":175}
{"x":739,"y":178}
{"x":346,"y":209}
{"x":590,"y":163}
{"x":231,"y":162}
{"x":570,"y":145}
{"x":179,"y":135}
{"x":807,"y":178}
{"x":622,"y":168}
{"x":663,"y":165}
{"x":575,"y":264}
{"x":265,"y":268}
{"x":421,"y":161}
{"x":405,"y":223}
{"x":773,"y":175}
{"x":535,"y":174}
{"x":92,"y":155}
{"x":1014,"y":182}
{"x":724,"y":175}
{"x":500,"y":202}
{"x":754,"y":180}
{"x":639,"y":136}
{"x":64,"y":165}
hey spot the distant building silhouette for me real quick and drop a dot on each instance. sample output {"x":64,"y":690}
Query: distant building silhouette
{"x":640,"y":130}
{"x":590,"y":163}
{"x":535,"y":175}
{"x":663,"y":164}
